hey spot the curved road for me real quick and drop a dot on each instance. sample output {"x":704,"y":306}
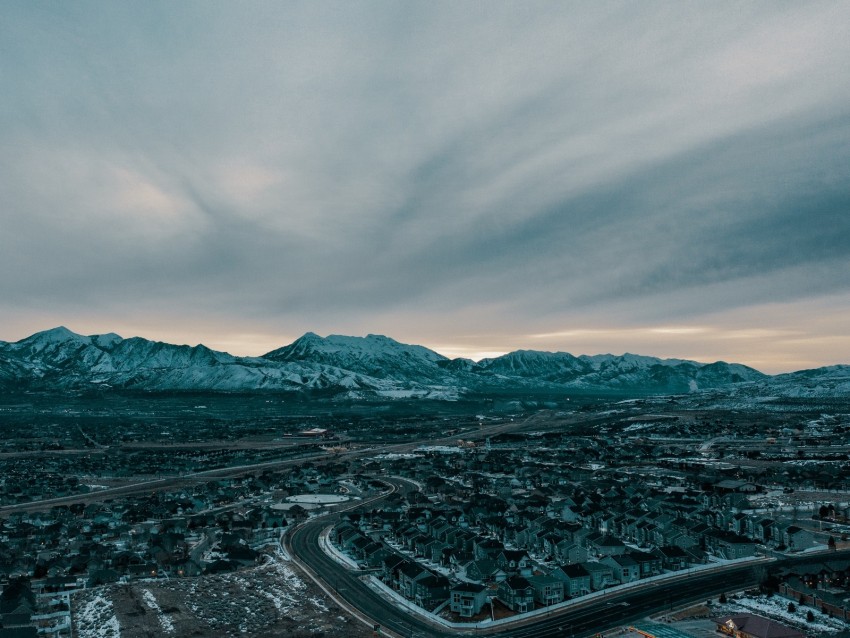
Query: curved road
{"x":303,"y":544}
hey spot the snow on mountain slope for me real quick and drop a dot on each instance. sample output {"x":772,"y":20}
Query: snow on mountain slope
{"x":372,"y":355}
{"x":610,"y":372}
{"x":535,"y":363}
{"x":374,"y":365}
{"x":61,"y":359}
{"x":627,"y":361}
{"x":829,"y":381}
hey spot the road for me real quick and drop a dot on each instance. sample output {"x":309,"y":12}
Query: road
{"x":303,"y":545}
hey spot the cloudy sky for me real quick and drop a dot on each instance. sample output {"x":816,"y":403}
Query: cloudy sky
{"x":661,"y":178}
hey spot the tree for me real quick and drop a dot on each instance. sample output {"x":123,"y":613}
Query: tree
{"x":810,"y":617}
{"x":792,"y":608}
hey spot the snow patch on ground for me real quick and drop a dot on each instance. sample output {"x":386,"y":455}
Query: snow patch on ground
{"x":647,"y":425}
{"x":440,"y":449}
{"x":317,"y":499}
{"x":164,"y":621}
{"x":776,"y":608}
{"x":96,"y":619}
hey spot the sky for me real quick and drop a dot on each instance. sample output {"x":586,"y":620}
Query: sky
{"x":661,"y":178}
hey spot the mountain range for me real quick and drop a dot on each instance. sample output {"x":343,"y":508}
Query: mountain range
{"x":61,"y":360}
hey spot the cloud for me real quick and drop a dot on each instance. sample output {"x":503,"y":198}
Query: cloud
{"x":514,"y":167}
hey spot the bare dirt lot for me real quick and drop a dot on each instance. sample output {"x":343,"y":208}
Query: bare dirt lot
{"x":269,"y":600}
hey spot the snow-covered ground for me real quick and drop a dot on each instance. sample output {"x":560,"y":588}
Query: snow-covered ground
{"x":164,"y":621}
{"x":317,"y":499}
{"x":776,"y":607}
{"x":250,"y":600}
{"x":440,"y":449}
{"x":395,"y":456}
{"x":96,"y":619}
{"x":269,"y":599}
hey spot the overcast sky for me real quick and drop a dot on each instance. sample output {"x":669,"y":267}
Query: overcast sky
{"x":669,"y":179}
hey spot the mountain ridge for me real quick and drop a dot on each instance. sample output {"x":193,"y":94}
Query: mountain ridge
{"x":375,"y":365}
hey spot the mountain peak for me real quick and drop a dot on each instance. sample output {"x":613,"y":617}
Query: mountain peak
{"x":373,"y":355}
{"x":60,"y":334}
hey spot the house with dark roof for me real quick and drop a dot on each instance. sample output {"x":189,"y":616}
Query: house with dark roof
{"x":485,"y":570}
{"x":431,"y":591}
{"x":515,"y":562}
{"x":601,"y":575}
{"x":409,"y":572}
{"x":517,"y":594}
{"x":467,"y":599}
{"x":17,"y":604}
{"x":796,"y":538}
{"x":548,"y":590}
{"x":650,"y":565}
{"x":575,"y":577}
{"x":730,"y":545}
{"x":625,"y":568}
{"x":672,"y":557}
{"x":607,"y":546}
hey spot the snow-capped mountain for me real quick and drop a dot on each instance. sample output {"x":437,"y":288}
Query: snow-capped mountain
{"x":610,"y":372}
{"x":557,"y":367}
{"x":373,"y":355}
{"x":59,"y":360}
{"x":830,"y":381}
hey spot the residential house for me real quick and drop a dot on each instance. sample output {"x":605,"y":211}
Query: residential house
{"x":576,"y":579}
{"x":517,"y":594}
{"x":625,"y":568}
{"x":601,"y":575}
{"x":607,"y":546}
{"x":796,"y":538}
{"x":672,"y":557}
{"x":567,"y":552}
{"x":467,"y":599}
{"x":650,"y":565}
{"x":431,"y":591}
{"x":730,"y":545}
{"x":515,"y":562}
{"x":485,"y":570}
{"x":548,"y":590}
